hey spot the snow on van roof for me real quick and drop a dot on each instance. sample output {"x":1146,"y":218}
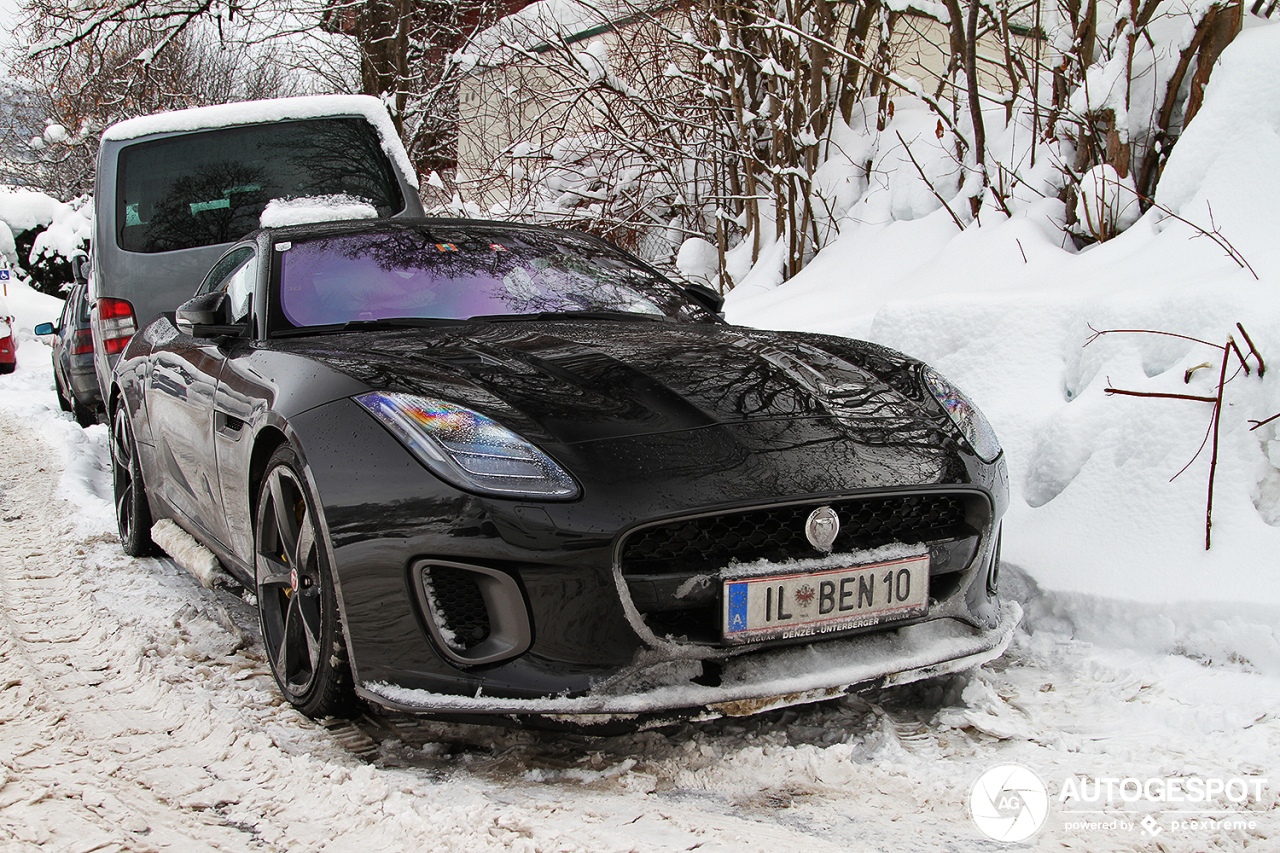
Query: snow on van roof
{"x":276,"y":109}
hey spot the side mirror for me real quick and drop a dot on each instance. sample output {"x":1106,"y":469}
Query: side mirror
{"x":705,"y":297}
{"x":80,"y":267}
{"x":207,"y":316}
{"x":45,"y":329}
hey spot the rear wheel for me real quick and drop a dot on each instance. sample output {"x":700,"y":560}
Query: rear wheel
{"x":297,"y":603}
{"x":133,"y":513}
{"x":64,"y":398}
{"x":84,"y":415}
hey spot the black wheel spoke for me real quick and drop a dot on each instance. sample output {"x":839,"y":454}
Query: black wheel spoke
{"x":288,"y":644}
{"x":272,"y":574}
{"x":285,"y":524}
{"x":124,"y":483}
{"x":124,"y":509}
{"x":300,"y":652}
{"x":308,"y":615}
{"x":305,"y":549}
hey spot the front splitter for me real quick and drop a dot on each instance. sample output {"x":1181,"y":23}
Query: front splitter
{"x":756,"y":682}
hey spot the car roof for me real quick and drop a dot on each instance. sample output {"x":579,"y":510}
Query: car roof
{"x":335,"y":228}
{"x":376,"y":226}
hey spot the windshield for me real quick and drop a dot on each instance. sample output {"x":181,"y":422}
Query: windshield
{"x":456,"y":274}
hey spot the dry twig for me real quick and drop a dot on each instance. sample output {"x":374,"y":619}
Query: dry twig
{"x":1228,"y":349}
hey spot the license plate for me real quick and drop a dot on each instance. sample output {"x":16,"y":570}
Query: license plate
{"x":795,"y":605}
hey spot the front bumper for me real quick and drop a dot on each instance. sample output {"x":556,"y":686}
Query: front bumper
{"x":794,"y":675}
{"x":593,"y":645}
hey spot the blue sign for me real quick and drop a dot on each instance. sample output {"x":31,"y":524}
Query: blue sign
{"x":4,"y":275}
{"x":737,"y":607}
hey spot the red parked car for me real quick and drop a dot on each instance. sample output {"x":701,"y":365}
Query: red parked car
{"x":8,"y":346}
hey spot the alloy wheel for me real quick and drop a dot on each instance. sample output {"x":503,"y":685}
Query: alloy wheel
{"x":289,"y":582}
{"x":122,"y":476}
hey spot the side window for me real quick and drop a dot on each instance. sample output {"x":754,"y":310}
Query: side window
{"x":236,"y":273}
{"x":240,"y":289}
{"x":217,"y":276}
{"x":68,"y":312}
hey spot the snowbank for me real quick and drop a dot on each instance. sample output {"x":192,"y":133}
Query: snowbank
{"x":24,"y":209}
{"x":1006,"y":311}
{"x":28,"y":393}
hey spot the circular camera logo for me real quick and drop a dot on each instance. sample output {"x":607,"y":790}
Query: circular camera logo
{"x":1009,"y":803}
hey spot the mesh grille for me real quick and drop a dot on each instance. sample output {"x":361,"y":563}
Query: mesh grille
{"x":457,"y":600}
{"x":710,"y":543}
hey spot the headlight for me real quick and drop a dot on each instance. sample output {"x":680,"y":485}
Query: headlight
{"x":973,"y":425}
{"x":468,"y":449}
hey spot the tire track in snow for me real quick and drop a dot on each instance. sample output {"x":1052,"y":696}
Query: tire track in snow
{"x":66,"y":735}
{"x":131,"y":718}
{"x":129,"y":692}
{"x":144,"y":706}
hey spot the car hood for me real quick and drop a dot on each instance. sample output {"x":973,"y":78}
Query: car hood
{"x":572,"y":382}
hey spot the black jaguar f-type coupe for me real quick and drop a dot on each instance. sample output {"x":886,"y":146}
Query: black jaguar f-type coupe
{"x":476,"y":468}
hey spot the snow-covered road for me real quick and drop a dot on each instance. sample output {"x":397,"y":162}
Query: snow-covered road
{"x":137,"y":713}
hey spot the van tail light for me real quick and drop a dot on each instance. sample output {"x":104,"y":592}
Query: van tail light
{"x":116,"y":320}
{"x":81,"y":342}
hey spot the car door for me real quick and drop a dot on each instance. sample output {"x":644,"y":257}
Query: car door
{"x":180,"y":402}
{"x":66,"y":333}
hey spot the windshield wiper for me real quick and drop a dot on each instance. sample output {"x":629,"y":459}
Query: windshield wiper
{"x":371,"y":325}
{"x":399,"y":323}
{"x":572,"y":315}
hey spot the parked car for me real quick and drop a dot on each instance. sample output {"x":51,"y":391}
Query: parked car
{"x":73,"y":375}
{"x":8,"y":346}
{"x":175,"y":189}
{"x":474,"y":467}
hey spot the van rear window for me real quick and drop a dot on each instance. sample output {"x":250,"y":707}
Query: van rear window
{"x":200,"y":189}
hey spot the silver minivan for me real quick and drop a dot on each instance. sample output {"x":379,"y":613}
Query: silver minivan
{"x":174,"y":190}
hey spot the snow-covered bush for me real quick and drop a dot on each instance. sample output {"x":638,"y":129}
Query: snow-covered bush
{"x":39,"y":234}
{"x":765,"y":130}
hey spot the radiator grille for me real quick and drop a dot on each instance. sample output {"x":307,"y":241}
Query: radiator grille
{"x":713,"y":542}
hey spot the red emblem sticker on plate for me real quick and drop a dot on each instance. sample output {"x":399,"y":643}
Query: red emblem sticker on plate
{"x":497,"y":247}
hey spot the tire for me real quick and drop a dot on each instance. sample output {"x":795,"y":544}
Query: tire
{"x":297,"y":602}
{"x":84,"y":415}
{"x":64,"y":399}
{"x":133,"y":513}
{"x":8,"y":367}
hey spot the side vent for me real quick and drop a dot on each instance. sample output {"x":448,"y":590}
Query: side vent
{"x":475,"y":614}
{"x":456,"y":598}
